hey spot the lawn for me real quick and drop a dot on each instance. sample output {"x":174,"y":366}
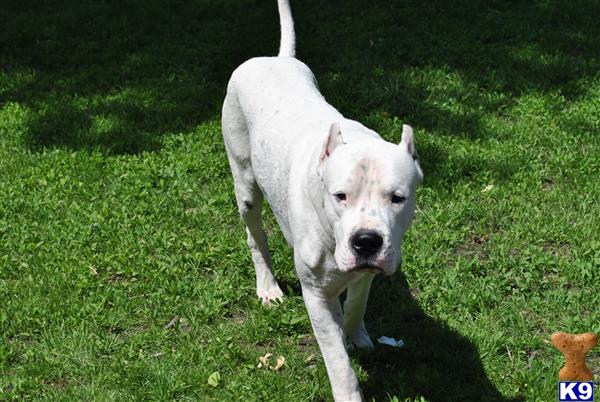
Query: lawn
{"x":124,"y":273}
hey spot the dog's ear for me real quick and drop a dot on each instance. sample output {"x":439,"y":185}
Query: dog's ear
{"x":408,"y":139}
{"x":333,"y":140}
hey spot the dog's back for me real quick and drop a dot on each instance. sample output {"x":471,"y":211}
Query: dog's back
{"x":287,"y":90}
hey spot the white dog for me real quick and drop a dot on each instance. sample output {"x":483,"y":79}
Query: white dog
{"x":342,"y":196}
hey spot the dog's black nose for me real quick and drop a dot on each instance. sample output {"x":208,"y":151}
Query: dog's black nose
{"x":365,"y":243}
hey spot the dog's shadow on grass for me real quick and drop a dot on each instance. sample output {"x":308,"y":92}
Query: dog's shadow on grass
{"x":436,"y":362}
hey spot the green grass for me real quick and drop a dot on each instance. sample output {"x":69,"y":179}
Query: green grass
{"x":117,"y":213}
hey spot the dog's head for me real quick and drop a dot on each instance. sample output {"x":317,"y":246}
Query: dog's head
{"x":370,"y":198}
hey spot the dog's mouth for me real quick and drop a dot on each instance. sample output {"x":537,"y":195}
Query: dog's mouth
{"x":367,"y":267}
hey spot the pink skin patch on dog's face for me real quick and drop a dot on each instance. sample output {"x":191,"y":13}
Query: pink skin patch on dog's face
{"x":365,"y":191}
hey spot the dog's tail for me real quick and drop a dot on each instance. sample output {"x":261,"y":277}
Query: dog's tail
{"x":287,"y":47}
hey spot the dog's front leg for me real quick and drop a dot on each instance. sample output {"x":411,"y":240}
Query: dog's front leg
{"x":326,"y":317}
{"x":354,"y":312}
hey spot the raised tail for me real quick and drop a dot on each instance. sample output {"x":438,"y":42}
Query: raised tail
{"x":287,"y":47}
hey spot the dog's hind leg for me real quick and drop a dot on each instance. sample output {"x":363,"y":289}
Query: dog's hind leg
{"x":355,"y":306}
{"x":249,"y":197}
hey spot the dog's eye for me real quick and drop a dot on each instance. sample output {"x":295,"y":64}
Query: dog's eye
{"x":398,"y":199}
{"x":340,"y":196}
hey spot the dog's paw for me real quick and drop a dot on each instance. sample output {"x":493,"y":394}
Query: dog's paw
{"x":272,"y":294}
{"x":361,"y":339}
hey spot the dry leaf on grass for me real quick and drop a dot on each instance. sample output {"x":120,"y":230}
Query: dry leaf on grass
{"x":264,"y":362}
{"x":310,"y":358}
{"x":488,"y":188}
{"x":214,"y":379}
{"x":279,"y":364}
